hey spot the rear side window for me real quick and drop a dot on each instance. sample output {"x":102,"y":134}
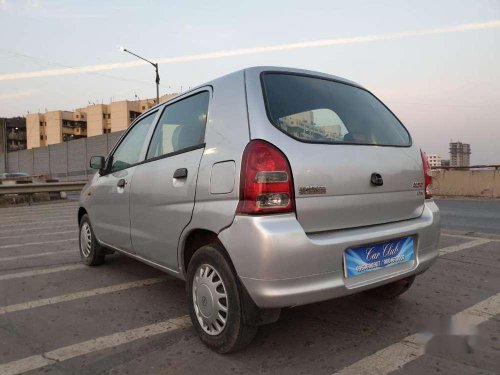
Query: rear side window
{"x":181,"y":126}
{"x":318,"y":110}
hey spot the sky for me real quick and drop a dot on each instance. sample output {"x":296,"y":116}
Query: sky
{"x":436,"y":64}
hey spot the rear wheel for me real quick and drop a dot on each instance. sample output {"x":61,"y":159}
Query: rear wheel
{"x":392,"y":290}
{"x":91,"y":252}
{"x":215,"y":304}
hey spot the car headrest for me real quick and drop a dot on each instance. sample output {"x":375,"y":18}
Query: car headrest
{"x":187,"y":136}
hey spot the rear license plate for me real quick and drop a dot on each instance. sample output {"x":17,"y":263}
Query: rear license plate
{"x":368,"y":258}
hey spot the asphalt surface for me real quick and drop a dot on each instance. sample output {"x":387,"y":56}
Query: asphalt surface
{"x":471,"y":215}
{"x":58,"y":316}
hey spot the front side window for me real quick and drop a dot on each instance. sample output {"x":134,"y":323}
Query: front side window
{"x":129,"y":150}
{"x":318,"y":110}
{"x":181,"y":126}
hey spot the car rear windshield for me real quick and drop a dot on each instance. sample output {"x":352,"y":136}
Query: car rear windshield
{"x":319,"y":110}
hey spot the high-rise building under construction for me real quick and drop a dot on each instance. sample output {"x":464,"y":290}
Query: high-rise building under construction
{"x":459,"y":154}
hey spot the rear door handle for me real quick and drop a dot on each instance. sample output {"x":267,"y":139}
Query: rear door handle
{"x":181,"y":173}
{"x":121,"y":183}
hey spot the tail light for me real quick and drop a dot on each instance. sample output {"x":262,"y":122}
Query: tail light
{"x":266,"y":184}
{"x":427,"y":175}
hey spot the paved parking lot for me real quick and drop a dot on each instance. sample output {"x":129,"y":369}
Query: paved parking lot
{"x":471,"y":215}
{"x":58,"y":316}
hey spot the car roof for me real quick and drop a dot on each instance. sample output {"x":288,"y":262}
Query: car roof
{"x":258,"y":70}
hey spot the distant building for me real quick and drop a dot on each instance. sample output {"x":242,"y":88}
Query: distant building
{"x":298,"y":119}
{"x":54,"y":127}
{"x":434,"y":160}
{"x":303,"y":126}
{"x":445,"y":163}
{"x":12,"y":134}
{"x":459,"y":154}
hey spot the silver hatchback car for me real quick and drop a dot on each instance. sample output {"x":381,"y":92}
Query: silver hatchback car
{"x":263,"y":189}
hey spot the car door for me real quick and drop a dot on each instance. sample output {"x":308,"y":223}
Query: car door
{"x":163,"y":192}
{"x":110,"y":209}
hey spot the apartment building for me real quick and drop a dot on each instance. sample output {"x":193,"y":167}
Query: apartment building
{"x":107,"y":118}
{"x":303,"y":125}
{"x":12,"y":134}
{"x":434,"y":160}
{"x":98,"y":119}
{"x":54,"y":127}
{"x":60,"y":126}
{"x":459,"y":154}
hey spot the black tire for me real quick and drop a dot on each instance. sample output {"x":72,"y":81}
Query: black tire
{"x":392,"y":290}
{"x":235,"y":335}
{"x":94,"y":255}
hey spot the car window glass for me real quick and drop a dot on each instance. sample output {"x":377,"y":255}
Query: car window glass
{"x":322,"y":123}
{"x":181,"y":125}
{"x":128,"y":152}
{"x":319,"y":110}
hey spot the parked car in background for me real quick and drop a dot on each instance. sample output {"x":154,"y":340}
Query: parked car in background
{"x":5,"y":176}
{"x":263,"y":189}
{"x":15,"y":177}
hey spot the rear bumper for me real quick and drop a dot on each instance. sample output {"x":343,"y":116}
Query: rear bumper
{"x":280,"y":265}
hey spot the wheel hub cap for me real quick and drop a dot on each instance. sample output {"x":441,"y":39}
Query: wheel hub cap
{"x":205,"y":301}
{"x":85,"y":240}
{"x":210,"y":300}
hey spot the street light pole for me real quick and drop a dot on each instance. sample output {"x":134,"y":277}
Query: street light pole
{"x":4,"y":142}
{"x":157,"y":80}
{"x":157,"y":84}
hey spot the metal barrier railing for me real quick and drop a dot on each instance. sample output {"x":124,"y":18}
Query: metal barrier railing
{"x":488,"y":166}
{"x":49,"y":187}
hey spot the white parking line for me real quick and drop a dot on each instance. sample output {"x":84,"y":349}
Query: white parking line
{"x":467,"y":245}
{"x":26,"y":218}
{"x":94,"y":345}
{"x":33,"y":215}
{"x":29,"y":214}
{"x":38,"y":222}
{"x":43,"y":271}
{"x":74,"y":225}
{"x":36,"y":210}
{"x":77,"y":295}
{"x":36,"y":243}
{"x":28,"y":256}
{"x":46,"y":207}
{"x":34,"y":221}
{"x":470,"y":237}
{"x":38,"y":234}
{"x":394,"y":357}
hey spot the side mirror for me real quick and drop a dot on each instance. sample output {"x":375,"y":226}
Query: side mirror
{"x":97,"y":162}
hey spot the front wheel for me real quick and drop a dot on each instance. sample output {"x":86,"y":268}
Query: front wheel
{"x":91,"y":252}
{"x":214,"y":302}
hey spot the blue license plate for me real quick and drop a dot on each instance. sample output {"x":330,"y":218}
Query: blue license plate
{"x":368,"y":258}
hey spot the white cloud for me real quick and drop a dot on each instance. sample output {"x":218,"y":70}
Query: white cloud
{"x":255,"y":50}
{"x":18,"y":94}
